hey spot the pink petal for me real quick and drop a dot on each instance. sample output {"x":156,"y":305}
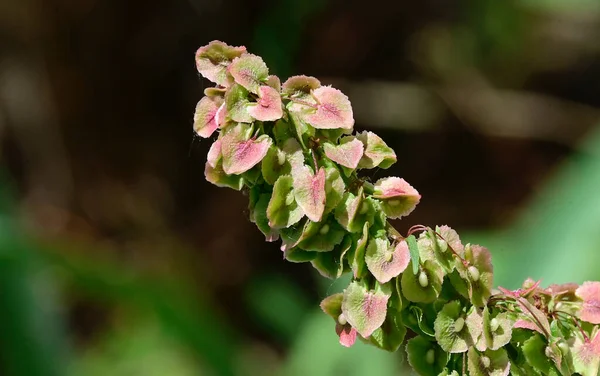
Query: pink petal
{"x":214,"y":154}
{"x":204,"y":117}
{"x":589,"y":292}
{"x":526,"y":324}
{"x":268,"y":107}
{"x":241,"y":155}
{"x":333,"y":110}
{"x":347,"y":154}
{"x":394,"y":187}
{"x":309,"y":191}
{"x":220,"y":115}
{"x":347,"y":334}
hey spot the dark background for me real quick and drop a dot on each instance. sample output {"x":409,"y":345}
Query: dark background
{"x":117,"y":257}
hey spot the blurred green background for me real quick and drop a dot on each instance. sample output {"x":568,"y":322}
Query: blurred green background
{"x":117,"y":258}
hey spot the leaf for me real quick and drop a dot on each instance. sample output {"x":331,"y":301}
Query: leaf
{"x":432,"y":247}
{"x":218,"y":177}
{"x":214,"y":154}
{"x":250,"y":71}
{"x":334,"y":188}
{"x":488,"y":363}
{"x":331,"y":264}
{"x":454,"y":332}
{"x":589,"y":292}
{"x":332,"y":305}
{"x":586,"y":355}
{"x":205,"y":122}
{"x":497,"y":330}
{"x":365,"y":309}
{"x":377,"y":153}
{"x":321,"y":236}
{"x":298,"y":255}
{"x":236,"y":101}
{"x":416,"y":291}
{"x":333,"y":110}
{"x":299,"y":85}
{"x":425,"y":356}
{"x":398,"y":197}
{"x":354,"y":211}
{"x":213,"y":59}
{"x":283,"y":211}
{"x":348,"y":153}
{"x":303,"y":131}
{"x":356,"y":257}
{"x":240,"y":154}
{"x":260,"y":218}
{"x":385,"y":262}
{"x":534,"y":350}
{"x":274,"y":165}
{"x":268,"y":107}
{"x":390,"y":335}
{"x":309,"y":191}
{"x":414,"y":252}
{"x":480,"y":288}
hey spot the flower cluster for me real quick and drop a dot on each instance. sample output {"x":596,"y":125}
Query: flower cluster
{"x":291,"y":147}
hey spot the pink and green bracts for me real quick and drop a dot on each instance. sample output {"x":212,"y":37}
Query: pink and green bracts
{"x":291,"y":147}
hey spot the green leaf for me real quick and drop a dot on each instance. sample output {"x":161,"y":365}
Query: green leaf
{"x":432,"y":247}
{"x":455,"y":331}
{"x":414,"y":252}
{"x":534,"y":350}
{"x":376,"y":152}
{"x":488,"y":363}
{"x":218,"y":177}
{"x":356,"y":256}
{"x":480,"y":288}
{"x":321,"y":236}
{"x":425,"y":286}
{"x":299,"y":86}
{"x":426,"y":357}
{"x":236,"y":101}
{"x":365,"y":309}
{"x":303,"y":131}
{"x":274,"y":165}
{"x":331,"y":264}
{"x":354,"y":211}
{"x":283,"y":211}
{"x":391,"y":334}
{"x":497,"y":330}
{"x":260,"y":218}
{"x":332,"y":305}
{"x":334,"y":188}
{"x":298,"y":255}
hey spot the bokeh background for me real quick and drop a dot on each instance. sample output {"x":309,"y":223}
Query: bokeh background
{"x":118,"y":258}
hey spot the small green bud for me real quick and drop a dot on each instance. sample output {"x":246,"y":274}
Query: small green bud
{"x":342,"y":319}
{"x":423,"y":279}
{"x":430,"y":356}
{"x":564,"y":348}
{"x":474,"y":273}
{"x":459,"y":324}
{"x":494,"y":324}
{"x":289,"y":199}
{"x":280,"y":157}
{"x":485,"y":361}
{"x":324,"y":230}
{"x":548,"y":351}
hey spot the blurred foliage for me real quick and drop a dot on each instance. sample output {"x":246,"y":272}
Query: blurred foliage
{"x":113,"y":257}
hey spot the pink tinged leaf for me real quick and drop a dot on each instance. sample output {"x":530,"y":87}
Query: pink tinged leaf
{"x":309,"y":191}
{"x":250,"y":71}
{"x":299,"y":85}
{"x":214,"y":154}
{"x":586,"y":354}
{"x":274,"y":82}
{"x":212,"y":61}
{"x":526,"y":324}
{"x":268,"y":107}
{"x":589,"y":292}
{"x":398,"y":197}
{"x":364,"y":309}
{"x":241,"y":154}
{"x":384,"y":262}
{"x":347,"y":153}
{"x":347,"y":334}
{"x":333,"y":110}
{"x":377,"y":153}
{"x":205,"y":122}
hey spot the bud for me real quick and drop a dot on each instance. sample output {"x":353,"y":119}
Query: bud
{"x":423,"y":280}
{"x":474,"y":273}
{"x":494,"y":324}
{"x":324,"y":230}
{"x":342,"y":319}
{"x":459,"y":324}
{"x":430,"y":356}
